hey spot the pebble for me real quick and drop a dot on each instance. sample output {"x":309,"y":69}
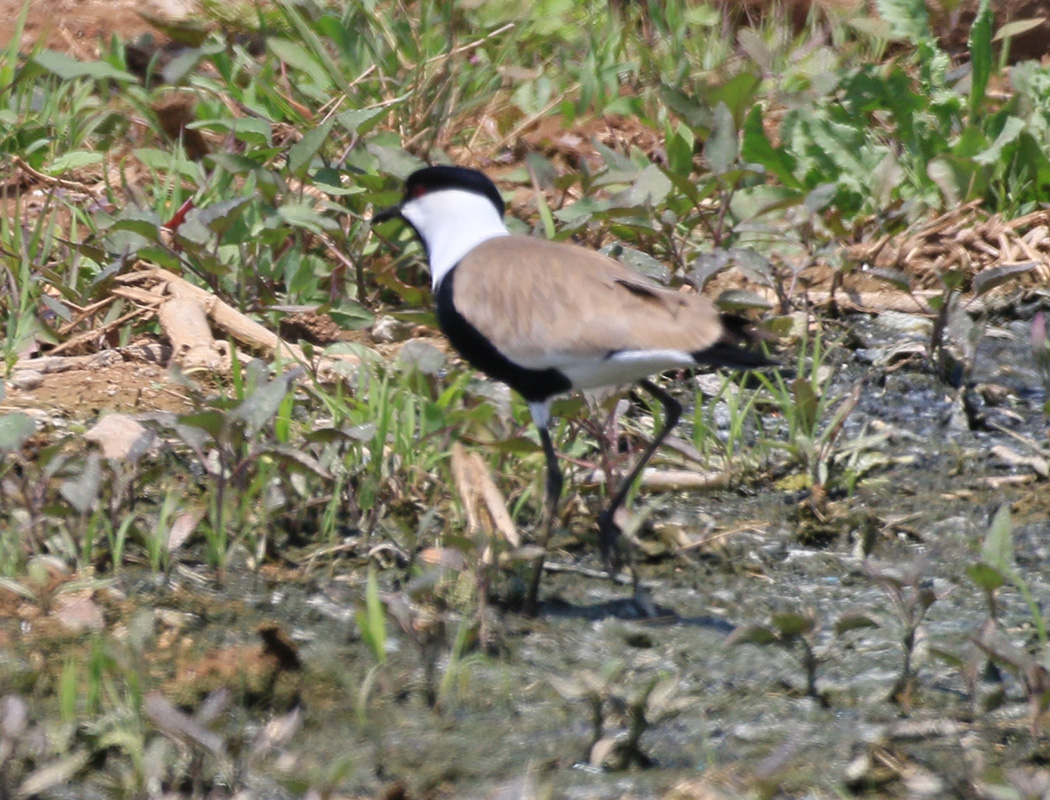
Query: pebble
{"x":26,"y":380}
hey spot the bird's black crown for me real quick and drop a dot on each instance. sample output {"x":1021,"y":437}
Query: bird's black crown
{"x":432,"y":179}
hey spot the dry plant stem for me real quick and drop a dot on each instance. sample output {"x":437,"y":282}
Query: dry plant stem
{"x":251,"y":333}
{"x":90,"y":336}
{"x":50,"y":179}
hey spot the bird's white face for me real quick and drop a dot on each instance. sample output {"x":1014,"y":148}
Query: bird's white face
{"x":451,"y":223}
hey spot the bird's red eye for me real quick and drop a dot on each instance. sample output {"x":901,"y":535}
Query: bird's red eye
{"x":418,"y":191}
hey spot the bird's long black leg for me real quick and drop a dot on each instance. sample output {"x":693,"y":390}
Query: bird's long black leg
{"x":550,"y":506}
{"x":608,"y":530}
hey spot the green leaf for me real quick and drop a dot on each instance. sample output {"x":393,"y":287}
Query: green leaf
{"x":360,"y":120}
{"x":15,"y":430}
{"x":650,"y":188}
{"x":757,"y":149}
{"x":147,"y":226}
{"x":68,"y":68}
{"x":74,"y":160}
{"x":852,"y":621}
{"x":807,"y":404}
{"x":909,"y":21}
{"x":393,"y":160}
{"x":752,"y":634}
{"x":302,"y":215}
{"x":372,"y":620}
{"x":262,"y":404}
{"x":351,"y":315}
{"x":680,"y":148}
{"x":192,"y":427}
{"x":1017,"y":27}
{"x":998,"y":548}
{"x":82,"y":492}
{"x":1009,"y":134}
{"x":791,"y":623}
{"x":250,"y":130}
{"x":986,"y":577}
{"x":303,"y":152}
{"x":644,"y":264}
{"x":300,"y":59}
{"x":720,"y":149}
{"x":980,"y":57}
{"x":218,"y":217}
{"x":741,"y":300}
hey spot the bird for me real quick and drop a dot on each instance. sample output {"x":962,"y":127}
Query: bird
{"x":548,"y":318}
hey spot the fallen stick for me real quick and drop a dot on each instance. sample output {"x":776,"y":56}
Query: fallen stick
{"x":224,"y":316}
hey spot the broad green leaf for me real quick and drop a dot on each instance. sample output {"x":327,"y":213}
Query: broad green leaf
{"x":303,"y":152}
{"x":302,"y":215}
{"x":644,"y":263}
{"x":180,"y":66}
{"x":650,"y":188}
{"x":680,"y":147}
{"x":986,"y":577}
{"x":148,"y":228}
{"x":15,"y":430}
{"x":998,"y":548}
{"x":262,"y":404}
{"x":193,"y":428}
{"x":791,"y":623}
{"x":853,"y":620}
{"x":720,"y":149}
{"x":752,"y":634}
{"x":74,"y":160}
{"x":757,"y":149}
{"x":68,"y":68}
{"x":299,"y":58}
{"x":741,"y":300}
{"x":393,"y":160}
{"x":82,"y":492}
{"x":360,"y":120}
{"x":1009,"y":134}
{"x":351,"y":315}
{"x":250,"y":130}
{"x":218,"y":217}
{"x":738,"y":94}
{"x":1017,"y":27}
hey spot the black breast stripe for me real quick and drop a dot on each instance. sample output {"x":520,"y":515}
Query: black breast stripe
{"x":535,"y":385}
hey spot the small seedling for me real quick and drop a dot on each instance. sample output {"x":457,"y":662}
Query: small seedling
{"x":633,"y":712}
{"x":996,"y":568}
{"x":789,"y":630}
{"x":911,"y":597}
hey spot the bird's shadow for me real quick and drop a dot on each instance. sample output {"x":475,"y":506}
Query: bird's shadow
{"x":628,"y":608}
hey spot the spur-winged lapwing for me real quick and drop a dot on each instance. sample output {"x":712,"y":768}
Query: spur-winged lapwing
{"x":546,"y":318}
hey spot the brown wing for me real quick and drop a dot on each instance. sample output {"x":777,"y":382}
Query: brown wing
{"x":545,"y":303}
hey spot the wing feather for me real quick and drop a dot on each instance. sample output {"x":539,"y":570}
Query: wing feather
{"x":549,"y":304}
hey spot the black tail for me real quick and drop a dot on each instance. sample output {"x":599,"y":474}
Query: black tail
{"x":730,"y":352}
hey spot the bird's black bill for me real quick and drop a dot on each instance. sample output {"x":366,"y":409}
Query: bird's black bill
{"x":394,"y":212}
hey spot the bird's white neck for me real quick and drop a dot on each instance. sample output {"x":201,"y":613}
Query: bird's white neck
{"x":451,"y":223}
